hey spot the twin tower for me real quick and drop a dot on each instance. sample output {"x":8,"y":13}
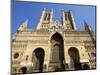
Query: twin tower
{"x":47,"y":21}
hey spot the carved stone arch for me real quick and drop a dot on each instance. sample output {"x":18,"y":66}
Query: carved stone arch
{"x":23,"y":69}
{"x":74,"y":58}
{"x":56,"y":33}
{"x":38,"y":59}
{"x":57,"y":51}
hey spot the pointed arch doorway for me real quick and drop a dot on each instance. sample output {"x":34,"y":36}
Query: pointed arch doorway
{"x":74,"y":59}
{"x":57,"y":52}
{"x":38,"y":59}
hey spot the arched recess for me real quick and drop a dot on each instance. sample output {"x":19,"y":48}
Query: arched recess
{"x":86,"y":67}
{"x":38,"y":59}
{"x":57,"y":51}
{"x":24,"y":70}
{"x":74,"y":58}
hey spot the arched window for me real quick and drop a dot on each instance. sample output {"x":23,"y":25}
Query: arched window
{"x":38,"y":58}
{"x":74,"y":58}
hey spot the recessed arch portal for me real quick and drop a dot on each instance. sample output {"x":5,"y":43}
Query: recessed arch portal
{"x":24,"y":70}
{"x":57,"y":51}
{"x":74,"y":58}
{"x":38,"y":59}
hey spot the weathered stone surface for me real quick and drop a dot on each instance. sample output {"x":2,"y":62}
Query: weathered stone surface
{"x":52,"y":37}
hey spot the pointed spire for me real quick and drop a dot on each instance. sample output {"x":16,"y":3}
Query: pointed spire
{"x":23,"y":26}
{"x":87,"y":28}
{"x":72,"y":19}
{"x":44,"y":10}
{"x":85,"y":25}
{"x":51,"y":19}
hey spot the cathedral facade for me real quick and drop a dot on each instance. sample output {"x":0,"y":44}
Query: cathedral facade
{"x":53,"y":46}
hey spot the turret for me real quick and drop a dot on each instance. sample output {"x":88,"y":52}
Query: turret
{"x":23,"y":26}
{"x":68,"y":20}
{"x":87,"y":28}
{"x":90,"y":31}
{"x":46,"y":19}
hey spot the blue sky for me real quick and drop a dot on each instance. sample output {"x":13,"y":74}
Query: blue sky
{"x":32,"y":10}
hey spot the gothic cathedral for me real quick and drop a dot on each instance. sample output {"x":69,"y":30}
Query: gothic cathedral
{"x":53,"y":45}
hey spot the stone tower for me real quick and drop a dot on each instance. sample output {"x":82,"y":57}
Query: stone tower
{"x":53,"y":46}
{"x":46,"y":19}
{"x":68,"y":20}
